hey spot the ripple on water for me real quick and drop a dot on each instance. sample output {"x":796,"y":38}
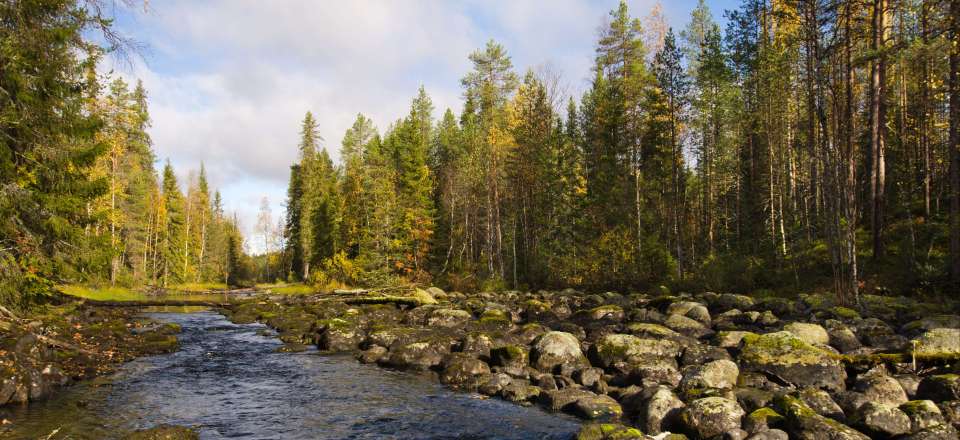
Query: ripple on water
{"x":227,"y":380}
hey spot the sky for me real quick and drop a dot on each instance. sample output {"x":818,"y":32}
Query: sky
{"x":229,"y":81}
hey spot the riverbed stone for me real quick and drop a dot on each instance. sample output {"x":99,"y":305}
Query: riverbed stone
{"x":788,"y":357}
{"x":372,"y":355}
{"x":882,"y":419}
{"x":555,"y":349}
{"x":608,"y":431}
{"x":938,"y":342}
{"x":939,"y":388}
{"x":878,"y":387}
{"x":730,"y":339}
{"x":520,"y":391}
{"x":661,"y":412}
{"x":923,"y":414}
{"x":712,"y":416}
{"x":597,"y":407}
{"x":687,"y":326}
{"x":821,"y":402}
{"x":512,"y":359}
{"x":492,"y":384}
{"x":812,"y":334}
{"x":803,"y":423}
{"x":630,"y":349}
{"x":414,"y":356}
{"x":720,"y":374}
{"x":463,"y":371}
{"x":939,"y":432}
{"x":690,"y":309}
{"x":164,"y":432}
{"x":561,"y":399}
{"x":449,"y":318}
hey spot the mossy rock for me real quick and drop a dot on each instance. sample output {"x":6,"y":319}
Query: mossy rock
{"x":846,"y":313}
{"x":803,"y":422}
{"x":608,"y":431}
{"x":647,"y":330}
{"x":165,"y":432}
{"x":155,"y":343}
{"x":939,"y":388}
{"x":788,"y":357}
{"x":938,"y":342}
{"x":614,"y":348}
{"x":763,"y":418}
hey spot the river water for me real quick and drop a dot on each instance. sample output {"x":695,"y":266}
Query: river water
{"x":227,"y":381}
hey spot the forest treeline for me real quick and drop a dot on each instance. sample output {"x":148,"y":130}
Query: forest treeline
{"x":808,"y":145}
{"x":80,"y":197}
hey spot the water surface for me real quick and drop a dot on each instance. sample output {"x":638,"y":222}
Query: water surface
{"x":227,"y":381}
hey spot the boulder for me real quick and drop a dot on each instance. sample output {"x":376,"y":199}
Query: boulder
{"x":649,"y":330}
{"x":695,"y":353}
{"x":164,"y":432}
{"x":608,"y":431}
{"x":339,"y":335}
{"x":614,"y":348}
{"x":661,"y":412}
{"x":810,"y":333}
{"x":939,"y":432}
{"x":821,"y":402}
{"x":878,"y":387}
{"x":761,"y":419}
{"x":939,"y":388}
{"x":712,"y":416}
{"x":597,"y":407}
{"x":803,"y":423}
{"x":882,"y":419}
{"x":463,"y":371}
{"x":414,"y":356}
{"x":494,"y":383}
{"x":786,"y":356}
{"x":448,"y":318}
{"x":476,"y":343}
{"x":512,"y":359}
{"x":562,"y":399}
{"x":687,"y":326}
{"x":923,"y":414}
{"x":730,"y":339}
{"x":720,"y":374}
{"x":770,"y":434}
{"x":372,"y":355}
{"x":729,"y":301}
{"x":693,"y":310}
{"x":519,"y":391}
{"x":938,"y":342}
{"x":554,"y":349}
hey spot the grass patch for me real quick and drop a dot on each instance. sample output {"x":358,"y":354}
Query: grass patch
{"x":102,"y":293}
{"x":287,"y":289}
{"x":198,"y":287}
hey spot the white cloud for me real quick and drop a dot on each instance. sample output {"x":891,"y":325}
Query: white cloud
{"x":230,"y":80}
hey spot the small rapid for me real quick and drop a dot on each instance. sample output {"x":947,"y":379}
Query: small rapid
{"x":228,"y":382}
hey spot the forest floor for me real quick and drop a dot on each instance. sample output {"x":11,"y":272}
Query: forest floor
{"x":704,"y":365}
{"x":55,"y":345}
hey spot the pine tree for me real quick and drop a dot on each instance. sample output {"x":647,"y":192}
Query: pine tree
{"x":48,"y":142}
{"x":174,"y":238}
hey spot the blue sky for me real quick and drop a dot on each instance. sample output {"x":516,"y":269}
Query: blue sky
{"x":230,"y":80}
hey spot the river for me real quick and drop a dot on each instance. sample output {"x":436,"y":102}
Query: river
{"x":227,"y":381}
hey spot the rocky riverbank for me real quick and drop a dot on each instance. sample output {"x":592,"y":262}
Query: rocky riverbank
{"x":61,"y":344}
{"x":703,"y":366}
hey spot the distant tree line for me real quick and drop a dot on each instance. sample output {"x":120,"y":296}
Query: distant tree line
{"x":810,"y":145}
